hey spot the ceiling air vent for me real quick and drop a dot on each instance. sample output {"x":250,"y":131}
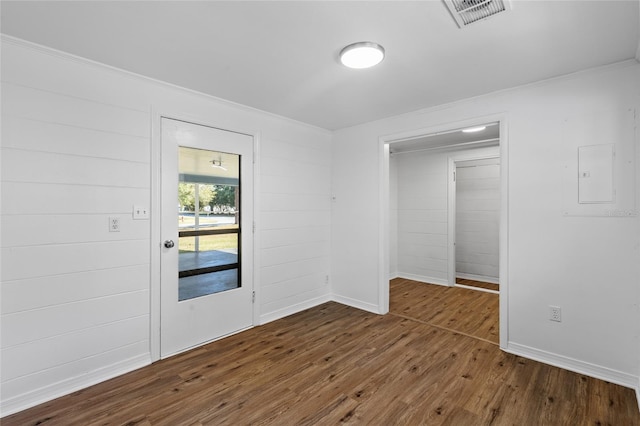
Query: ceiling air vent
{"x":467,"y":12}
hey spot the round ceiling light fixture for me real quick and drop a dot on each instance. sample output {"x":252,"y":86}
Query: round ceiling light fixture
{"x":364,"y":54}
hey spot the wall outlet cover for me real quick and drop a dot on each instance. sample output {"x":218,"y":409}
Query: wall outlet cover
{"x":114,"y":224}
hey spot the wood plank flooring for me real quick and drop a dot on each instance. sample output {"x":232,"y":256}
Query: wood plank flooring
{"x":479,"y":284}
{"x":333,"y":364}
{"x":474,"y":313}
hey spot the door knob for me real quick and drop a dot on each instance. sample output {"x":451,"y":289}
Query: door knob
{"x":169,"y":243}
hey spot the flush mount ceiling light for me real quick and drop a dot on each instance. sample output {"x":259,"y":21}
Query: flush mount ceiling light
{"x":474,"y":129}
{"x":364,"y":54}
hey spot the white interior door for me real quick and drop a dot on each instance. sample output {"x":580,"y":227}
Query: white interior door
{"x":207,"y":232}
{"x":474,"y":219}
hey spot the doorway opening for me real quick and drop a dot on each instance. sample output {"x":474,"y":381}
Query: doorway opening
{"x":419,"y":197}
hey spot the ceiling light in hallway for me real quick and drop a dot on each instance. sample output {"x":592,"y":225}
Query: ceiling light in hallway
{"x":474,"y":129}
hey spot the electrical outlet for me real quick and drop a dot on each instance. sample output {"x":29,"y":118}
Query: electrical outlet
{"x":114,"y":224}
{"x":555,"y":313}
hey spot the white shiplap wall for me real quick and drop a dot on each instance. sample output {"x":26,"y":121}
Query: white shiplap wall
{"x":422,"y":216}
{"x":422,"y":212}
{"x":77,"y":149}
{"x":295,"y":216}
{"x":74,"y":296}
{"x":478,"y":220}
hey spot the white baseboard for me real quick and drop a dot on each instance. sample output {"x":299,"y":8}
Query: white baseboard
{"x":482,"y":278}
{"x":73,"y":384}
{"x":290,"y":310}
{"x":577,"y":366}
{"x":393,"y":275}
{"x":424,"y":279}
{"x":358,"y":304}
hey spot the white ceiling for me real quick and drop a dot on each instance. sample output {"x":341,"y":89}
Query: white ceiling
{"x":282,"y":57}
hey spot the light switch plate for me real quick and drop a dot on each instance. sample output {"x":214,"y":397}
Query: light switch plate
{"x":140,"y":212}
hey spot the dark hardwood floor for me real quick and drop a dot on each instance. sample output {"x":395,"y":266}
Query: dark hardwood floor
{"x":469,"y":312}
{"x":334,"y":364}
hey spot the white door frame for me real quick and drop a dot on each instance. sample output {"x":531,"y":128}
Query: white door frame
{"x":384,"y":226}
{"x":156,"y":210}
{"x":451,"y":209}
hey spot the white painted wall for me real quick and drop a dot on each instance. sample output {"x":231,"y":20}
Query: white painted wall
{"x":422,"y":210}
{"x":589,"y":266}
{"x":422,"y":216}
{"x":478,"y":220}
{"x":76,"y":149}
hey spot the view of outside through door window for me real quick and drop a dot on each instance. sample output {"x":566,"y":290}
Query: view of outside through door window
{"x":208,"y":222}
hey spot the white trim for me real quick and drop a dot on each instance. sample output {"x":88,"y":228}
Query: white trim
{"x":155,"y":235}
{"x":358,"y":304}
{"x":451,"y":222}
{"x":485,"y":279}
{"x":384,"y":230}
{"x":424,"y":279}
{"x":638,"y":393}
{"x":445,"y":127}
{"x":294,"y":309}
{"x":468,"y":287}
{"x":70,"y":385}
{"x":257,"y":259}
{"x":575,"y":365}
{"x":504,"y":232}
{"x":638,"y":60}
{"x":84,"y":61}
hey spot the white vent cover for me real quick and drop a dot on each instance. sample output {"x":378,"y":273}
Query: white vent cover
{"x":466,"y":12}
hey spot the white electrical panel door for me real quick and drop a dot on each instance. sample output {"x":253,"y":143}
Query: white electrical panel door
{"x":595,"y":174}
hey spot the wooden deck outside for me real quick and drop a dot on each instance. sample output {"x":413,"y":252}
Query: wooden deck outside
{"x":333,"y":364}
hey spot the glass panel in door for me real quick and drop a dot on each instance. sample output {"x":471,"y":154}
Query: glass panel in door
{"x":208,"y":222}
